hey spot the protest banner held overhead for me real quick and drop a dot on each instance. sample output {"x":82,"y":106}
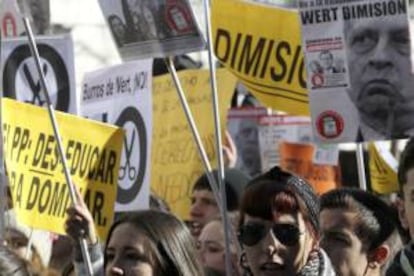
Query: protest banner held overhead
{"x":152,"y":28}
{"x":175,"y":163}
{"x":261,"y":46}
{"x":121,"y":95}
{"x":36,"y":178}
{"x":360,"y":75}
{"x":298,"y":159}
{"x":383,"y":169}
{"x":20,"y":79}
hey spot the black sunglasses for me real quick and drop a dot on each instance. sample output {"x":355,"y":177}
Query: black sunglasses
{"x":250,"y":234}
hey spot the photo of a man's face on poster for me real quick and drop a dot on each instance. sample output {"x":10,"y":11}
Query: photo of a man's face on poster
{"x":375,"y":100}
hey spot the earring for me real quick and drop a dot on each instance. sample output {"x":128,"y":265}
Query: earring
{"x":245,"y":265}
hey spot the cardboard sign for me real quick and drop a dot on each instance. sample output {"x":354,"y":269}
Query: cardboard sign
{"x":261,"y":46}
{"x":383,"y":169}
{"x":121,"y":95}
{"x":175,"y":162}
{"x":20,"y":79}
{"x":37,"y":182}
{"x":156,"y":28}
{"x":297,"y":158}
{"x":360,"y":81}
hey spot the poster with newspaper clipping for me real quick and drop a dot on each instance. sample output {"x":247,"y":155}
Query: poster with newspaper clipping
{"x":359,"y":72}
{"x":152,"y":28}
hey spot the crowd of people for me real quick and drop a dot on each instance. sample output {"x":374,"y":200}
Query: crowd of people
{"x":278,"y":226}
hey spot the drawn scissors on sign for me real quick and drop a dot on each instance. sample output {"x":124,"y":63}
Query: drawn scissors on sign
{"x":35,"y":87}
{"x":132,"y":172}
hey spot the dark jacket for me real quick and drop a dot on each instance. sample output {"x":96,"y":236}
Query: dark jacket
{"x":403,"y":263}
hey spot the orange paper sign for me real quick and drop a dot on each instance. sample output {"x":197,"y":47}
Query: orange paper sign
{"x":298,"y":159}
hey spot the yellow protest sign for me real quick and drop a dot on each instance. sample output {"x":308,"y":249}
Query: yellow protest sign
{"x":383,"y":169}
{"x":175,"y":162}
{"x":37,"y":182}
{"x":261,"y":45}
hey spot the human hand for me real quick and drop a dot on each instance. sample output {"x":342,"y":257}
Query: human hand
{"x":230,"y":151}
{"x":79,"y":223}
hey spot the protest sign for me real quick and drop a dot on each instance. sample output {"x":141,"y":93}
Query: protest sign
{"x":121,"y":95}
{"x":359,"y":69}
{"x":243,"y":126}
{"x":383,"y":169}
{"x":20,"y":79}
{"x":297,"y":158}
{"x":175,"y":163}
{"x":37,"y":181}
{"x":262,"y":52}
{"x":155,"y":28}
{"x":273,"y":129}
{"x":11,"y":21}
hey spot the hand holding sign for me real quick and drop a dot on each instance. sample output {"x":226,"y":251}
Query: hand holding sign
{"x":79,"y":223}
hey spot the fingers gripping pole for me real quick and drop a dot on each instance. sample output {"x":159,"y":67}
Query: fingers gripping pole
{"x":50,"y":109}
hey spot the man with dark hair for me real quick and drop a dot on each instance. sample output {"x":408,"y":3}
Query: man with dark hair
{"x":204,"y":207}
{"x":327,"y":61}
{"x":403,"y":263}
{"x":355,"y":226}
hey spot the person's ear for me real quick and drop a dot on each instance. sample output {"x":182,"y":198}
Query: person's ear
{"x":379,"y":256}
{"x":402,"y":213}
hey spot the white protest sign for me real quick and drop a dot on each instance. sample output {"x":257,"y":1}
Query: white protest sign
{"x":155,"y":28}
{"x":11,"y":22}
{"x":20,"y":79}
{"x":359,"y":70}
{"x":273,"y":129}
{"x":121,"y":95}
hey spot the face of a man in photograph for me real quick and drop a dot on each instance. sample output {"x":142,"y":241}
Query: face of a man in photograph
{"x":326,"y":59}
{"x":380,"y":68}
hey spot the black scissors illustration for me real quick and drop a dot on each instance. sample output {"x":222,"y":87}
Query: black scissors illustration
{"x":132,"y":172}
{"x":36,"y":88}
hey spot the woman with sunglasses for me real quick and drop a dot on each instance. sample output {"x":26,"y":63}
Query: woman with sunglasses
{"x":279,"y":227}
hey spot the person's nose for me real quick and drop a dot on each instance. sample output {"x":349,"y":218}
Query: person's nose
{"x":381,"y":56}
{"x":271,"y":244}
{"x":115,"y":267}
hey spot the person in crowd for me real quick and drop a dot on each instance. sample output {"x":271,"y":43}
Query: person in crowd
{"x":12,"y":264}
{"x":143,"y":243}
{"x":378,"y":53}
{"x":279,"y":227}
{"x":17,"y":237}
{"x":211,"y":246}
{"x":203,"y":203}
{"x":403,"y":263}
{"x":160,"y":243}
{"x":355,"y":227}
{"x":247,"y":143}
